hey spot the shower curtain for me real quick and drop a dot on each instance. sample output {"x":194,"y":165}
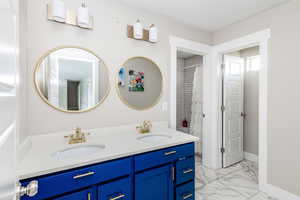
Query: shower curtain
{"x":196,"y":116}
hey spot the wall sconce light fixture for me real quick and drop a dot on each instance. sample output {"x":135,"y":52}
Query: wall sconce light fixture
{"x":57,"y":13}
{"x":137,"y":32}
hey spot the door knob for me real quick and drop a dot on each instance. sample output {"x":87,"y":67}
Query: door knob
{"x":30,"y":190}
{"x":243,"y":114}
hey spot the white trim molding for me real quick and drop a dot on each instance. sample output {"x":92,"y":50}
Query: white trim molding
{"x":176,"y":44}
{"x":279,"y":193}
{"x":256,"y":39}
{"x":250,"y":156}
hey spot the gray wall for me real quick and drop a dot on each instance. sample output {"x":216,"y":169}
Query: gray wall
{"x":109,"y":41}
{"x":283,"y":89}
{"x":251,"y":89}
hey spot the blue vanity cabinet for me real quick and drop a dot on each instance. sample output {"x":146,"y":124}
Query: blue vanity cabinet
{"x":160,"y":174}
{"x":165,"y":174}
{"x":154,"y":184}
{"x":87,"y":194}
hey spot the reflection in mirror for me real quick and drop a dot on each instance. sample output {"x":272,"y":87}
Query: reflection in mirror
{"x":139,"y":83}
{"x":72,"y":79}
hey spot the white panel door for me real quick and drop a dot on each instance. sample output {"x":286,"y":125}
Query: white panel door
{"x":233,"y":93}
{"x":7,"y":100}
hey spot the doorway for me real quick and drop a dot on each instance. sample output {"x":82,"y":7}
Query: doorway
{"x":189,"y":116}
{"x":73,"y":98}
{"x":179,"y":44}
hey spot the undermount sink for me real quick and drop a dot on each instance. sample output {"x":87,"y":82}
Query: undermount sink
{"x":78,"y":151}
{"x":154,"y":138}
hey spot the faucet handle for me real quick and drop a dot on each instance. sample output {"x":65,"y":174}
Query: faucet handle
{"x":147,"y":124}
{"x":77,"y":129}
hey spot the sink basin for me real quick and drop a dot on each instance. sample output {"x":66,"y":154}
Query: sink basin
{"x":154,"y":138}
{"x":78,"y":151}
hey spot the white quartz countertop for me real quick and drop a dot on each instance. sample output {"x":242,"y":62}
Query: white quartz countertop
{"x":119,"y":142}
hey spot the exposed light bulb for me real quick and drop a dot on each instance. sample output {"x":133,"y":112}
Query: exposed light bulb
{"x":153,"y":33}
{"x":58,"y":10}
{"x":83,"y":17}
{"x":138,"y":30}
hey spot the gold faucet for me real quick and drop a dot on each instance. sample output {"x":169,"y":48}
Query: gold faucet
{"x":77,"y":137}
{"x":145,"y":127}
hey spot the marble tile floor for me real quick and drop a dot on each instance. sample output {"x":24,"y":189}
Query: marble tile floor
{"x":238,"y":182}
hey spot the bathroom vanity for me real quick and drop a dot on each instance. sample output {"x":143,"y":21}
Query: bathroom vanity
{"x":156,"y":166}
{"x":109,"y":163}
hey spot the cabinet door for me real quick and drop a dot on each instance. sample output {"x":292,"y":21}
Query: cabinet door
{"x":155,"y":184}
{"x":87,"y":194}
{"x":116,"y":190}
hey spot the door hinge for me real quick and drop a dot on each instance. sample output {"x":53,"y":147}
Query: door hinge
{"x":222,"y":150}
{"x":223,"y":65}
{"x":222,"y":108}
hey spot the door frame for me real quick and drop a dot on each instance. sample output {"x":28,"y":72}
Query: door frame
{"x":204,"y":50}
{"x":260,"y":39}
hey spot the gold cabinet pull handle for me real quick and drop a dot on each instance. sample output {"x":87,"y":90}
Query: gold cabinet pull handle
{"x":118,"y":197}
{"x":89,"y":196}
{"x":188,"y":171}
{"x":170,"y":153}
{"x":187,"y":196}
{"x":83,"y":175}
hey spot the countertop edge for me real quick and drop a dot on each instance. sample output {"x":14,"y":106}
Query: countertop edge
{"x":100,"y":160}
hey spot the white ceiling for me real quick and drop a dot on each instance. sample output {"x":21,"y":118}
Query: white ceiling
{"x":209,"y":15}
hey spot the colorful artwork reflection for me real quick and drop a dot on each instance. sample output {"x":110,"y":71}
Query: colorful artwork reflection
{"x":121,"y":81}
{"x":136,"y":81}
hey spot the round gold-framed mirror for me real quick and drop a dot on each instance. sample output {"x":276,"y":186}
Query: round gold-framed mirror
{"x":139,"y":83}
{"x":72,"y":79}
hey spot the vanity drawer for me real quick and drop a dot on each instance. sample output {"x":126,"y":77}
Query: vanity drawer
{"x":185,"y":170}
{"x":116,"y":190}
{"x":186,"y":191}
{"x":52,"y":185}
{"x":86,"y":194}
{"x":156,"y":158}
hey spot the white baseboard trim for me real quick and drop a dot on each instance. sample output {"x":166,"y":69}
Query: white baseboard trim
{"x":251,"y":157}
{"x":278,"y":193}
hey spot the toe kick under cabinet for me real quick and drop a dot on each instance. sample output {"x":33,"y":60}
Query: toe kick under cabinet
{"x":165,"y":174}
